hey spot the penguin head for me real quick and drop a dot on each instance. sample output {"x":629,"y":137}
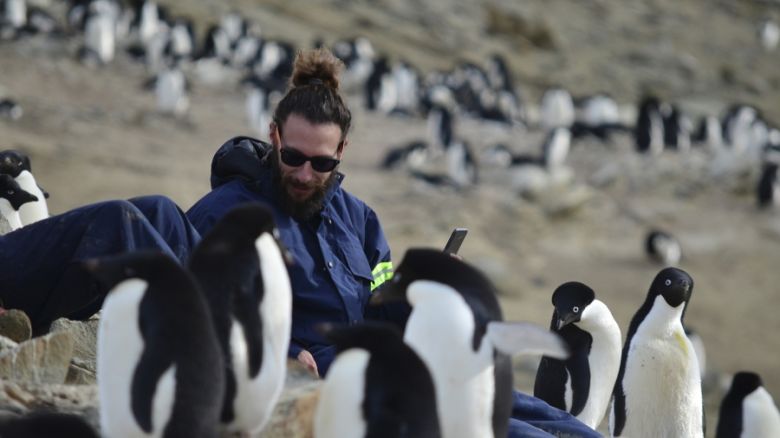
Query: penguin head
{"x":744,"y":383}
{"x":370,"y":335}
{"x":13,"y":162}
{"x":240,"y":227}
{"x":570,"y":301}
{"x":451,"y":276}
{"x":11,"y":191}
{"x":146,"y":265}
{"x":674,"y":284}
{"x":422,"y":264}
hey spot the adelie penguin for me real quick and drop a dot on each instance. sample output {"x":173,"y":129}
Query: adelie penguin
{"x":748,"y":410}
{"x":457,"y":328}
{"x":377,"y":386}
{"x":241,"y":267}
{"x":658,"y":388}
{"x":582,"y":384}
{"x":662,"y":247}
{"x":12,"y":198}
{"x":159,"y":365}
{"x":17,"y":164}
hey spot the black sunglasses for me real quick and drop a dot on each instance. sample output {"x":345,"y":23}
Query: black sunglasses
{"x":294,"y":158}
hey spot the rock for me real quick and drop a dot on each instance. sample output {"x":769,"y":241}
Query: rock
{"x":20,"y":398}
{"x":6,"y":343}
{"x":79,"y":373}
{"x":293,"y":415}
{"x":15,"y":325}
{"x":43,"y":359}
{"x":84,"y":335}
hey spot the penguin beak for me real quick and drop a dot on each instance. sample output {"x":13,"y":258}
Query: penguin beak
{"x":567,"y":319}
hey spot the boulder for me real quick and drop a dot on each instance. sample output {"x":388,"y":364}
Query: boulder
{"x":43,"y":359}
{"x":15,"y":325}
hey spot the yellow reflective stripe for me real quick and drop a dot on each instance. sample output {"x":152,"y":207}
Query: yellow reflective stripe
{"x":381,"y":273}
{"x":380,"y":267}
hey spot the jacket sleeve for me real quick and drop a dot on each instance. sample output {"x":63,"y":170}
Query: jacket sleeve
{"x":378,"y":255}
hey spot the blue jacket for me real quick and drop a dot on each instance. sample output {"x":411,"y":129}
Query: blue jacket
{"x":339,"y":256}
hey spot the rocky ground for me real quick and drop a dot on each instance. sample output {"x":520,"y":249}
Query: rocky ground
{"x":94,"y":134}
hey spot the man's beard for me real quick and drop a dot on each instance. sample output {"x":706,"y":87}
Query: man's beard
{"x":300,"y":210}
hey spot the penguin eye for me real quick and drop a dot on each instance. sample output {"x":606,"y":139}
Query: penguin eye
{"x":576,"y":309}
{"x":129,"y":271}
{"x":668,"y":282}
{"x":10,"y":192}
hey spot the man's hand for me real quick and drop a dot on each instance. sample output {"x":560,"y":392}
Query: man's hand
{"x":307,"y":359}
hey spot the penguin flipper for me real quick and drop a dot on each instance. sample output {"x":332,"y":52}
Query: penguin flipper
{"x":579,"y":371}
{"x":145,"y":387}
{"x":513,"y":338}
{"x":246,"y":306}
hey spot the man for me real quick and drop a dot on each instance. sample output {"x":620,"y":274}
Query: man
{"x":336,"y":240}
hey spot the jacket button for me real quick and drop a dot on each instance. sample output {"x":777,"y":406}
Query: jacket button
{"x":329,"y":221}
{"x":330,"y":264}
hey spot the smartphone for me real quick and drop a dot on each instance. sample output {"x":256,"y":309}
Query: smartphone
{"x":456,"y":238}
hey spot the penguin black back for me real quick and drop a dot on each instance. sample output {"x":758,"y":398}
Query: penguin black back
{"x":730,"y":416}
{"x":675,"y":286}
{"x":400,"y":400}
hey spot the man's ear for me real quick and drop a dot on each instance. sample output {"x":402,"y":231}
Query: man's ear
{"x":273,"y":133}
{"x":343,"y":146}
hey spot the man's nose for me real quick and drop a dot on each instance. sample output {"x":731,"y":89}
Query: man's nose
{"x":304,"y":173}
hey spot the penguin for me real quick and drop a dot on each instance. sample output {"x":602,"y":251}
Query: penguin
{"x":555,"y":148}
{"x":377,"y":386}
{"x":457,"y":328}
{"x":748,"y":410}
{"x":412,"y":155}
{"x":17,"y":164}
{"x":12,"y":197}
{"x":556,"y":108}
{"x":171,"y":90}
{"x":658,"y":388}
{"x":649,"y":128}
{"x":99,"y":38}
{"x":768,"y":187}
{"x":242,"y":269}
{"x":582,"y":384}
{"x":159,"y":366}
{"x":662,"y":247}
{"x":46,"y":424}
{"x":10,"y":109}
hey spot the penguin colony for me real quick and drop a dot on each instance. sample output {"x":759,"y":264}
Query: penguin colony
{"x":201,"y":350}
{"x":166,"y":46}
{"x":235,"y":47}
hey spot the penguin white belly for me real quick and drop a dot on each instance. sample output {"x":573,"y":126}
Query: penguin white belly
{"x":339,"y":411}
{"x":466,"y":406}
{"x":663,"y":389}
{"x":31,"y":211}
{"x":760,"y":417}
{"x":604,"y":364}
{"x":119,"y":348}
